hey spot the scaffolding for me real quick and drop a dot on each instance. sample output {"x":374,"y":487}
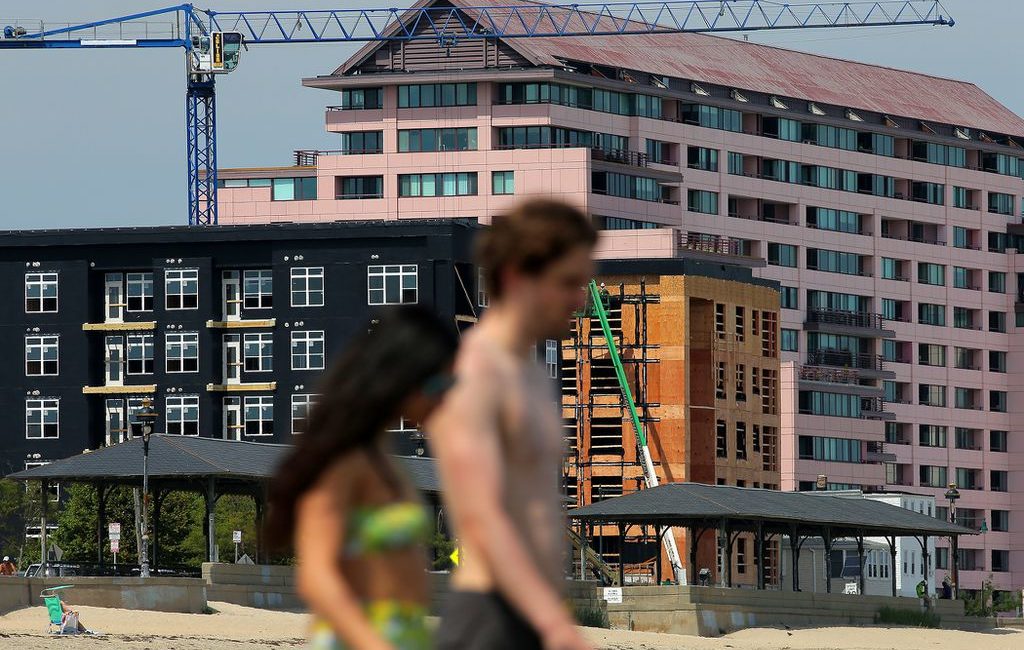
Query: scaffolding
{"x":595,"y":411}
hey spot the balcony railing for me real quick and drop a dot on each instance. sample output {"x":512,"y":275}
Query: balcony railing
{"x":839,"y":359}
{"x":829,"y":375}
{"x":621,"y":156}
{"x":308,"y":157}
{"x":862,"y":319}
{"x":715,"y":244}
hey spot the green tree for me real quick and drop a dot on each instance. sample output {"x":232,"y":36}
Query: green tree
{"x":13,"y":501}
{"x":987,"y":601}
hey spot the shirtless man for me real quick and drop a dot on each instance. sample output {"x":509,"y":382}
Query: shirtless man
{"x":498,"y":439}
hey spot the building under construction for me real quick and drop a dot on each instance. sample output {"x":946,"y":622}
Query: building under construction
{"x":698,"y":343}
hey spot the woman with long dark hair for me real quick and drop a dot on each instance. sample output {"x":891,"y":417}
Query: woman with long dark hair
{"x":356,"y":525}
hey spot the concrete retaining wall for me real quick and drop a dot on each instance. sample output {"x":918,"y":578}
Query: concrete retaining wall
{"x":264,"y":586}
{"x":708,"y":611}
{"x":187,"y":595}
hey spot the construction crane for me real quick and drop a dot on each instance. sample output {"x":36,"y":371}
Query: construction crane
{"x":212,"y":40}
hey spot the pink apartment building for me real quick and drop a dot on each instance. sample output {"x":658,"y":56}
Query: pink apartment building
{"x":887,"y":204}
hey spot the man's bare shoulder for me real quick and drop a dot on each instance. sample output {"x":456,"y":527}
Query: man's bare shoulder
{"x":481,"y":358}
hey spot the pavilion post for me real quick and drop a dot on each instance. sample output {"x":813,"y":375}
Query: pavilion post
{"x":695,"y":535}
{"x":723,"y":553}
{"x":924,"y":561}
{"x":211,"y":530}
{"x":826,"y":538}
{"x":794,"y":556}
{"x":759,"y":543}
{"x":860,"y":560}
{"x":158,"y":503}
{"x":622,"y":555}
{"x":44,"y":495}
{"x":892,"y":562}
{"x":260,"y":512}
{"x":101,"y":519}
{"x":659,"y":531}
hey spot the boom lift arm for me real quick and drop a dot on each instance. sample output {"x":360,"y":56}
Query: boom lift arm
{"x":211,"y":40}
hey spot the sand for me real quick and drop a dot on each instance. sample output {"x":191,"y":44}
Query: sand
{"x":232,"y":627}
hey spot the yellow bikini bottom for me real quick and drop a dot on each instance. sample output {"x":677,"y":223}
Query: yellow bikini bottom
{"x":403,"y":625}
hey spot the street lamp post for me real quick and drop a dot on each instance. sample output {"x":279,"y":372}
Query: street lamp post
{"x":952,"y":495}
{"x":142,"y":426}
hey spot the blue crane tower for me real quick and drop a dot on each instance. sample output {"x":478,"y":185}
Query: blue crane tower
{"x":213,"y":40}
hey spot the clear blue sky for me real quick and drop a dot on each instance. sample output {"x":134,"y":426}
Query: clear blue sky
{"x":96,"y":138}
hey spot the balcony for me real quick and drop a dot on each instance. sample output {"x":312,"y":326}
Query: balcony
{"x":854,"y":323}
{"x":241,"y":324}
{"x":718,"y":249}
{"x":873,"y":408}
{"x":129,"y":326}
{"x":621,"y":156}
{"x":869,"y":366}
{"x":874,"y":452}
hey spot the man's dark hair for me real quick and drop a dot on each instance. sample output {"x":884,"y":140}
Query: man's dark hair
{"x":530,"y":238}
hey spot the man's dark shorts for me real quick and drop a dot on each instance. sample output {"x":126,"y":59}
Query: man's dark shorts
{"x":483,"y":621}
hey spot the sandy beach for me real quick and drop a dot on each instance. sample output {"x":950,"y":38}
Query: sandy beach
{"x":243,"y":628}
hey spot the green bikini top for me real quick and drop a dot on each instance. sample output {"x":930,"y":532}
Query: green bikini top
{"x":391,"y":527}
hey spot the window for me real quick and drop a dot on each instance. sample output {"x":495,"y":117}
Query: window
{"x":183,"y":415}
{"x":964,"y":398}
{"x":259,"y":415}
{"x":1000,"y":521}
{"x":928,"y":314}
{"x":837,"y":220}
{"x":934,"y":274}
{"x":119,"y":412}
{"x":892,"y":269}
{"x":963,"y":358}
{"x":966,"y":438}
{"x":257,"y":289}
{"x":307,"y":286}
{"x":182,"y":352}
{"x":40,"y":293}
{"x":140,"y":292}
{"x":833,"y":404}
{"x":457,"y":139}
{"x":551,"y":357}
{"x":782,"y":255}
{"x":702,"y":158}
{"x":503,"y":183}
{"x":892,"y":351}
{"x":436,"y":95}
{"x":625,"y":186}
{"x":741,"y":441}
{"x":140,"y":354}
{"x":391,"y":284}
{"x":181,"y":288}
{"x":997,"y":321}
{"x":244,"y":182}
{"x":929,"y":354}
{"x":358,"y":187}
{"x":308,"y":350}
{"x":41,"y":355}
{"x":997,"y":441}
{"x":258,"y":352}
{"x":963,"y":318}
{"x":1000,"y":560}
{"x":962,"y":278}
{"x":838,"y":450}
{"x":789,"y":297}
{"x":113,"y":303}
{"x":300,"y":411}
{"x":934,"y":193}
{"x":720,"y":320}
{"x":294,"y":189}
{"x":997,"y":401}
{"x":741,"y":382}
{"x":998,"y":480}
{"x":360,"y":142}
{"x":721,"y":440}
{"x":932,"y":476}
{"x":962,"y":237}
{"x":834,"y":261}
{"x":939,"y":154}
{"x":735,"y":163}
{"x":997,"y":242}
{"x":930,"y":435}
{"x":781,"y":129}
{"x":712,"y":117}
{"x":740,"y":318}
{"x":440,"y":184}
{"x":362,"y":98}
{"x":1000,"y":203}
{"x":996,"y":361}
{"x":702,"y":201}
{"x":42,"y":418}
{"x":996,"y":282}
{"x":720,"y":381}
{"x":931,"y":395}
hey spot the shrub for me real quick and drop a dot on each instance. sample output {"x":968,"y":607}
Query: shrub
{"x":592,"y":617}
{"x":908,"y":617}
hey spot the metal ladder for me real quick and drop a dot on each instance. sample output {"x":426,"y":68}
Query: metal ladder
{"x":650,"y":477}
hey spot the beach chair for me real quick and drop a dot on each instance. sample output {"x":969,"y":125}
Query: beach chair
{"x":58,"y":618}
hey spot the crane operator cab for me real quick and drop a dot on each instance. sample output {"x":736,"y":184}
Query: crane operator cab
{"x":215,"y":53}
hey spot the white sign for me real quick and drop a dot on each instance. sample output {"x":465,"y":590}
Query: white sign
{"x":114,"y":530}
{"x":115,"y":546}
{"x":236,"y":536}
{"x":613,"y":595}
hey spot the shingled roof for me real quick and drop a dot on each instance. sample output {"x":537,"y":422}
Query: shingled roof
{"x":191,"y":457}
{"x":761,"y":68}
{"x":685,"y":504}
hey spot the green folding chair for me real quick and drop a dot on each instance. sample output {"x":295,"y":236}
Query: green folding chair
{"x":51,"y":597}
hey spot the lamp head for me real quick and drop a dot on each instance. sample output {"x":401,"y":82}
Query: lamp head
{"x":952,"y":494}
{"x":145,"y":418}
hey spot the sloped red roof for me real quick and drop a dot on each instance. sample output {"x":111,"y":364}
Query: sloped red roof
{"x":778,"y":71}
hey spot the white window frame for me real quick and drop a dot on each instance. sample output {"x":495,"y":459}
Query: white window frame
{"x":551,"y":349}
{"x":260,"y":403}
{"x":303,"y":276}
{"x":114,"y":302}
{"x":142,"y":281}
{"x":42,"y":281}
{"x":264,"y":362}
{"x":303,"y":350}
{"x":231,"y":359}
{"x":231,"y":295}
{"x":43,"y":343}
{"x":178,"y":406}
{"x":260,"y":299}
{"x":54,"y":497}
{"x":41,"y":406}
{"x":124,"y":409}
{"x":175,"y":345}
{"x":114,"y":364}
{"x":233,"y":425}
{"x":180,"y":279}
{"x":301,"y":404}
{"x":382,"y":274}
{"x":144,"y":341}
{"x":482,"y":297}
